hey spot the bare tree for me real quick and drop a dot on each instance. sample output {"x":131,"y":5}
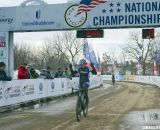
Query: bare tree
{"x":106,"y":61}
{"x":122,"y":58}
{"x":68,"y":45}
{"x":51,"y":56}
{"x":138,"y":49}
{"x":22,"y":54}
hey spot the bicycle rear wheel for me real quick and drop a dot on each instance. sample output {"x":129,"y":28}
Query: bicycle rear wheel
{"x":78,"y":109}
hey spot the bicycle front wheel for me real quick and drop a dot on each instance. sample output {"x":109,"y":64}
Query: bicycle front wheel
{"x":85,"y":103}
{"x":78,"y":109}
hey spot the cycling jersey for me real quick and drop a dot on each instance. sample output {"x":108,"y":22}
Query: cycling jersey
{"x":84,"y":73}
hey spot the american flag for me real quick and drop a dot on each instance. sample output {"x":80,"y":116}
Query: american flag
{"x":87,"y":5}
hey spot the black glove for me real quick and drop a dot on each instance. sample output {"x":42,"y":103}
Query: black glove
{"x":92,"y":65}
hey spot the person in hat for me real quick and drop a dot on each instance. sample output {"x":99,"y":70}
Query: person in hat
{"x":3,"y":75}
{"x":48,"y":73}
{"x":22,"y":71}
{"x":32,"y":74}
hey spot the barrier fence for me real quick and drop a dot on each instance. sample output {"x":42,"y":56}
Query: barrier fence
{"x":155,"y":80}
{"x":20,"y":91}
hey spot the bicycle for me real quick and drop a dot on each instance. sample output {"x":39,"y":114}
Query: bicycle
{"x":82,"y":103}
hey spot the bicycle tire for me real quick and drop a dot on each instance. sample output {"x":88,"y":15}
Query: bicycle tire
{"x":85,"y":103}
{"x":85,"y":111}
{"x":78,"y":109}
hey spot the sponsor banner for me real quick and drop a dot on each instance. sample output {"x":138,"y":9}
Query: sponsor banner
{"x":1,"y":96}
{"x":107,"y":77}
{"x":7,"y":18}
{"x":18,"y":91}
{"x":95,"y":81}
{"x":155,"y":80}
{"x":121,"y":77}
{"x":126,"y":77}
{"x":41,"y":88}
{"x":66,"y":85}
{"x":54,"y":88}
{"x":12,"y":92}
{"x":39,"y":17}
{"x":74,"y":83}
{"x":28,"y":90}
{"x":4,"y":51}
{"x":131,"y":77}
{"x":110,"y":14}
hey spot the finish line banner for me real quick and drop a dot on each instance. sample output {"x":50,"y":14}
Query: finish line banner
{"x":107,"y":14}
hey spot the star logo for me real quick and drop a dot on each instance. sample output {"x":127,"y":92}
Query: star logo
{"x":118,"y":4}
{"x":111,"y":10}
{"x":104,"y":11}
{"x":118,"y":10}
{"x":111,"y":4}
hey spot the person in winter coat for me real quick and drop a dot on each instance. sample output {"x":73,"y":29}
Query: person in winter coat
{"x":22,"y":71}
{"x":66,"y":73}
{"x":3,"y":76}
{"x":59,"y":74}
{"x":32,"y":74}
{"x":48,"y":73}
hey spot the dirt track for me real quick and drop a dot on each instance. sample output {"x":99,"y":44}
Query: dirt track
{"x":107,"y":108}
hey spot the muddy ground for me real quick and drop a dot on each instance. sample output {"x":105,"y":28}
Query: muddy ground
{"x":107,"y":108}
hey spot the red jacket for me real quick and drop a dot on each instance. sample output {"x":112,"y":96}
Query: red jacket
{"x":22,"y":73}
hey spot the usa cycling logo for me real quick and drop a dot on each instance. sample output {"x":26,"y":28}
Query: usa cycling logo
{"x":52,"y":86}
{"x":62,"y":84}
{"x":76,"y":15}
{"x":40,"y":87}
{"x":23,"y":90}
{"x":7,"y":92}
{"x":38,"y":14}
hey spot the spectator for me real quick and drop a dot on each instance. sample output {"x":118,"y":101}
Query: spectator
{"x":43,"y":74}
{"x":32,"y":74}
{"x":28,"y":71}
{"x":22,"y":72}
{"x":73,"y":72}
{"x":113,"y":79}
{"x":3,"y":76}
{"x":59,"y":74}
{"x":66,"y":73}
{"x":48,"y":73}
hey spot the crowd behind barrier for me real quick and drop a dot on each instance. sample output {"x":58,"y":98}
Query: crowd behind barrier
{"x":20,"y":91}
{"x":154,"y":80}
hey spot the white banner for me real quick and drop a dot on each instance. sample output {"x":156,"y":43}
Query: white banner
{"x":155,"y":80}
{"x":111,"y":14}
{"x":18,"y":91}
{"x":4,"y":51}
{"x":1,"y":96}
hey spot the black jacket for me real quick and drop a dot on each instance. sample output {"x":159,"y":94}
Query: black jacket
{"x":4,"y":77}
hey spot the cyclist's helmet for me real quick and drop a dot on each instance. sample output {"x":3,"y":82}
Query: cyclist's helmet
{"x":82,"y":62}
